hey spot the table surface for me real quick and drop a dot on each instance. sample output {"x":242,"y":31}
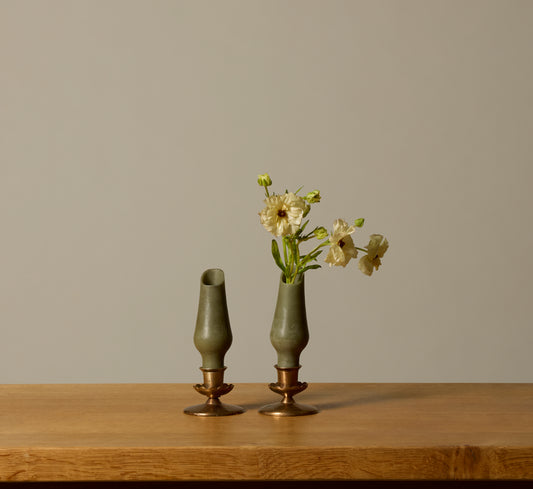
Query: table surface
{"x":97,"y":432}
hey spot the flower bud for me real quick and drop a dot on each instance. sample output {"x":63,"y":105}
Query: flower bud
{"x":264,"y":180}
{"x":313,"y":197}
{"x":359,"y":222}
{"x":321,"y":232}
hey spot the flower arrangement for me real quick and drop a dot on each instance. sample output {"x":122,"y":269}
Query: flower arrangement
{"x":284,"y":216}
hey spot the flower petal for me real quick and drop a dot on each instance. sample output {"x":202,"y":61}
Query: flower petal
{"x":365,"y":265}
{"x":349,"y":248}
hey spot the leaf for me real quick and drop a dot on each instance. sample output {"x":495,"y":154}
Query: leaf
{"x":315,"y":255}
{"x":311,"y":267}
{"x":276,"y":255}
{"x":311,"y":256}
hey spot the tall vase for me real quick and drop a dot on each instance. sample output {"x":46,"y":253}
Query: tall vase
{"x":289,"y":335}
{"x":212,"y":334}
{"x":212,"y":338}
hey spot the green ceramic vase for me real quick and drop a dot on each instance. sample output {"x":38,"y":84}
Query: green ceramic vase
{"x":289,"y":334}
{"x":212,"y":335}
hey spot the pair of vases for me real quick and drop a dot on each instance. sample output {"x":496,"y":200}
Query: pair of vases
{"x":289,"y":335}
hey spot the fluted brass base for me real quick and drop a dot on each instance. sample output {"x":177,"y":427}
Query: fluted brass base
{"x":213,"y":387}
{"x":288,"y":386}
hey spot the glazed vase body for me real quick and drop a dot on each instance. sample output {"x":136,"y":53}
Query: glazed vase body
{"x":289,"y":334}
{"x":212,"y":334}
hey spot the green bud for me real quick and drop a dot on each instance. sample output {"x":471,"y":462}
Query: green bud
{"x":264,"y":180}
{"x":313,"y":197}
{"x":321,"y":232}
{"x":359,"y":222}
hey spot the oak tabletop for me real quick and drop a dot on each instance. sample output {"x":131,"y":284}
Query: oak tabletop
{"x":97,"y":432}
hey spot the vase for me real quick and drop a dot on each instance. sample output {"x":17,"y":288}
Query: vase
{"x":212,"y":334}
{"x":212,"y":338}
{"x":289,"y":336}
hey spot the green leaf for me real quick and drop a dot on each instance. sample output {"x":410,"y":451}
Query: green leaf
{"x":276,"y":255}
{"x":315,"y":255}
{"x":311,"y":267}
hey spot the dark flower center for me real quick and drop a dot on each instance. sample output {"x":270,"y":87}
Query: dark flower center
{"x":282,"y":213}
{"x":341,"y":243}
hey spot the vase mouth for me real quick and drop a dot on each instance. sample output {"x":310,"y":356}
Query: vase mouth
{"x":213,"y":277}
{"x":297,"y":281}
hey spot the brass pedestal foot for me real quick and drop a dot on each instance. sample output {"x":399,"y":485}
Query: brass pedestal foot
{"x":213,"y":387}
{"x":288,"y":386}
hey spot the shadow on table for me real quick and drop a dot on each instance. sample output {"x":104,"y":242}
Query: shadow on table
{"x":358,"y":399}
{"x":355,"y":399}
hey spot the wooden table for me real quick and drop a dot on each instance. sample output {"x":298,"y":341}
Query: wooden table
{"x":138,"y":432}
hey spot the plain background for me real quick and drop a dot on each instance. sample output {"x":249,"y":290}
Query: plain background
{"x":131,"y":136}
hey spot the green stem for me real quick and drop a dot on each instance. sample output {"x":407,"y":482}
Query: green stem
{"x":294,"y":258}
{"x":306,"y":259}
{"x":285,"y":253}
{"x":321,"y":245}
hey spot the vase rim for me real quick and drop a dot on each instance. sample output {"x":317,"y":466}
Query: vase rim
{"x":213,"y":277}
{"x":298,"y":280}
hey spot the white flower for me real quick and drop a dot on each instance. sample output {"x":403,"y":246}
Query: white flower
{"x":377,"y":247}
{"x":282,"y":214}
{"x":342,"y":249}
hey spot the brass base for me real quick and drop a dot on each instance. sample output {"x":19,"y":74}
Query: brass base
{"x":213,"y":387}
{"x":213,"y":407}
{"x":288,"y":386}
{"x":288,"y":409}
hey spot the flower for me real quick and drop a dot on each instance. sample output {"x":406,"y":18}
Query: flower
{"x":264,"y":180}
{"x":377,"y":247}
{"x":285,"y":216}
{"x":282,"y":214}
{"x":313,"y":197}
{"x":342,"y":249}
{"x":320,"y":233}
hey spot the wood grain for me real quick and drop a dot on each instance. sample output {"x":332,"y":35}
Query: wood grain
{"x":85,"y":432}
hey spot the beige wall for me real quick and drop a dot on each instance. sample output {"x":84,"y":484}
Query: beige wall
{"x":131,"y":134}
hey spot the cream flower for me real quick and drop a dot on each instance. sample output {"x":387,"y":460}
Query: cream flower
{"x":282,"y":214}
{"x":342,"y":249}
{"x":377,"y":247}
